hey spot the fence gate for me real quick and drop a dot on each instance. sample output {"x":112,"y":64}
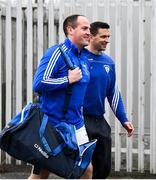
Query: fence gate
{"x":27,"y":29}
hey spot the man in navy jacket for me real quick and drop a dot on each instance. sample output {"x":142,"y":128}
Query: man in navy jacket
{"x":102,"y":85}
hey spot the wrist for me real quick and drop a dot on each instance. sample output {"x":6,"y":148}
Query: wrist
{"x":69,"y":80}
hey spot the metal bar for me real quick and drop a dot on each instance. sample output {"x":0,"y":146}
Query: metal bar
{"x":152,"y":91}
{"x":19,"y":58}
{"x":134,"y":151}
{"x":141,"y":89}
{"x":29,"y":51}
{"x":0,"y":77}
{"x":129,"y":80}
{"x":40,"y":29}
{"x":51,"y":23}
{"x":8,"y":67}
{"x":118,"y":75}
{"x":61,"y":17}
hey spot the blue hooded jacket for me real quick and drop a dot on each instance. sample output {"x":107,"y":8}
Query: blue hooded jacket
{"x":51,"y":83}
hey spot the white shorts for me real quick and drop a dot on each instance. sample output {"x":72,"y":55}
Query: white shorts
{"x":81,"y":136}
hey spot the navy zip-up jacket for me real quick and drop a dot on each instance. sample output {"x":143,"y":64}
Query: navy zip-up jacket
{"x":51,"y":83}
{"x":103,"y":85}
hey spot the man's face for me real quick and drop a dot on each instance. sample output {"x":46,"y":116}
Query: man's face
{"x":81,"y":33}
{"x":101,"y":39}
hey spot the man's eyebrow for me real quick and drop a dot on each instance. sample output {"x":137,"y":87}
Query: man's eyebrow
{"x":105,"y":35}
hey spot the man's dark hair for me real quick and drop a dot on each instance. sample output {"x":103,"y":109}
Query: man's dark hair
{"x":70,"y":21}
{"x":95,"y":26}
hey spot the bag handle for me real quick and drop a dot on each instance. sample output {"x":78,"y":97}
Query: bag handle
{"x":26,"y":110}
{"x":55,"y":151}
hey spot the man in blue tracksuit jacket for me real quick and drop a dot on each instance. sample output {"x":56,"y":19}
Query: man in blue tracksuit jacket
{"x":102,"y":85}
{"x":53,"y":77}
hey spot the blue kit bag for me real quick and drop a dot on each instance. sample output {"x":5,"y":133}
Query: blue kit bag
{"x":31,"y":138}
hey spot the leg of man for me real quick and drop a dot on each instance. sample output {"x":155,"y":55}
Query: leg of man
{"x":88,"y":173}
{"x":101,"y":161}
{"x":43,"y":174}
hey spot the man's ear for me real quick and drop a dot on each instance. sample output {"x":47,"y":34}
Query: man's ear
{"x":70,"y":30}
{"x":91,"y":36}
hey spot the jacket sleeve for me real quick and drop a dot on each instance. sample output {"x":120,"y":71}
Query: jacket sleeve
{"x":46,"y":77}
{"x":115,"y":99}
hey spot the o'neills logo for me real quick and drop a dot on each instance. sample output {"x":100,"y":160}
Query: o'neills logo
{"x":41,"y":151}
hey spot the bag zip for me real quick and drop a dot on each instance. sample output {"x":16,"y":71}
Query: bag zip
{"x":81,"y":154}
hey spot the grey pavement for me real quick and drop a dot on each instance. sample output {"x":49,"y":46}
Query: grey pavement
{"x":23,"y":172}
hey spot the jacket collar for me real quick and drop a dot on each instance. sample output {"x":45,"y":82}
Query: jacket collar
{"x":71,"y":46}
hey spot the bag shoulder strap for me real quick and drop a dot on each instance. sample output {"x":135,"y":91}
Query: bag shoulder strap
{"x":67,"y":59}
{"x":69,"y":91}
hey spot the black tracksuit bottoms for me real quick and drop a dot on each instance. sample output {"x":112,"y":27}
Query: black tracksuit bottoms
{"x":99,"y":129}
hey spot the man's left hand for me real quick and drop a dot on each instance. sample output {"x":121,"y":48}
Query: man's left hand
{"x":129,"y":127}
